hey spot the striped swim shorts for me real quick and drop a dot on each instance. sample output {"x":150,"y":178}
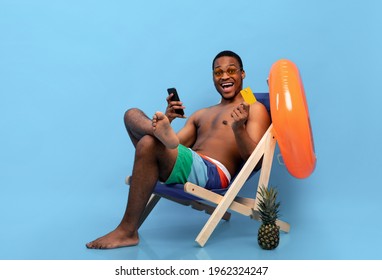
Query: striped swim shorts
{"x":201,"y":170}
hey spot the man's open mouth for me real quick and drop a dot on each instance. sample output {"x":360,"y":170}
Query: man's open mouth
{"x":226,"y":85}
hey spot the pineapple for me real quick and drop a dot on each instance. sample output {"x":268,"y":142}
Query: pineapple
{"x":269,"y":233}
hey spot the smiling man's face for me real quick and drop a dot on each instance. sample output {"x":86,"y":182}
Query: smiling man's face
{"x":228,"y":76}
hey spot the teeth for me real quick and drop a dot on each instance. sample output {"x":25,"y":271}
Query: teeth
{"x":227,"y":84}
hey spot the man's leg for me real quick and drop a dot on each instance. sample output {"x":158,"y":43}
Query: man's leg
{"x":137,"y":125}
{"x":153,"y":161}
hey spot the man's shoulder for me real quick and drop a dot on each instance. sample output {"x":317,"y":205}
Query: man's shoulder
{"x":205,"y":113}
{"x":258,"y":106}
{"x":258,"y":112}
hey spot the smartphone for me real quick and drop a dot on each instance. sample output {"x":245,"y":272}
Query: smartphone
{"x":175,"y":97}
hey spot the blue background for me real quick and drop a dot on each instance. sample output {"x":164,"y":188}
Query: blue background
{"x":69,"y":70}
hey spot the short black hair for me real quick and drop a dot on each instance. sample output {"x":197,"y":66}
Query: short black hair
{"x":230,"y":54}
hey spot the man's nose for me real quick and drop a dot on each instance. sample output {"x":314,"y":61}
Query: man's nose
{"x":225,"y":75}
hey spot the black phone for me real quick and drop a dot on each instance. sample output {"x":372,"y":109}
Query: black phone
{"x":175,"y":97}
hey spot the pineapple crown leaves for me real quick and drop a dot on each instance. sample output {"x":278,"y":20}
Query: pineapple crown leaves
{"x":268,"y":206}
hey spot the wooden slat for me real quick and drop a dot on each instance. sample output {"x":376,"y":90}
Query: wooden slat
{"x":215,"y":198}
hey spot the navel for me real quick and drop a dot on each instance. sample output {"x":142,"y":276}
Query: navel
{"x":224,"y":122}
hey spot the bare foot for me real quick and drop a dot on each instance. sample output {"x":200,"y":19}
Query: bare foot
{"x":115,"y":239}
{"x":163,"y":131}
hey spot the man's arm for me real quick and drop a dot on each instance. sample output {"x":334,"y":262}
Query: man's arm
{"x":250,"y":124}
{"x":187,"y":135}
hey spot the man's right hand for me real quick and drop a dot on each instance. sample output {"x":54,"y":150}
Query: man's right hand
{"x":171,"y":107}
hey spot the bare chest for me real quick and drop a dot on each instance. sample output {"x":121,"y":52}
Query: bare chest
{"x":215,"y":124}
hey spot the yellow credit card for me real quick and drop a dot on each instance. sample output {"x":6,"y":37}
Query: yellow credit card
{"x":248,"y":95}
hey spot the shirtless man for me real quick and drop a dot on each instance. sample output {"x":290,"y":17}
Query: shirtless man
{"x":215,"y":140}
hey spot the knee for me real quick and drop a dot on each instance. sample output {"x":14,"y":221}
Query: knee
{"x":147,"y":145}
{"x":131,"y":114}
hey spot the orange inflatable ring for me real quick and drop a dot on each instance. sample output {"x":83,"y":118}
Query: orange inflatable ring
{"x":290,"y":119}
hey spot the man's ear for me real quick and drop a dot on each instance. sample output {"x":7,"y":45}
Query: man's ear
{"x":243,"y":74}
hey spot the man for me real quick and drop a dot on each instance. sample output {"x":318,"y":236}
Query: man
{"x":208,"y":150}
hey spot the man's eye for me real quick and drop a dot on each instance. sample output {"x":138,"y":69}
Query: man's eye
{"x":218,"y":73}
{"x":231,"y":71}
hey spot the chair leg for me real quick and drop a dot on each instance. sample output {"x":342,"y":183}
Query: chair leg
{"x":265,"y":174}
{"x":266,"y":166}
{"x":149,"y":207}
